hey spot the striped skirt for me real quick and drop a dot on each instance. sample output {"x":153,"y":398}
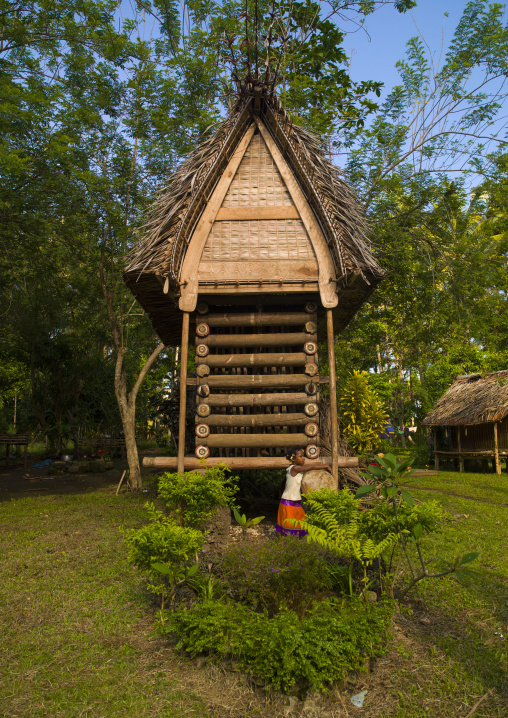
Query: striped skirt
{"x":290,"y":510}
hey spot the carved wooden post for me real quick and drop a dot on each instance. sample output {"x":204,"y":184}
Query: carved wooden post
{"x":183,"y":392}
{"x":496,"y":450}
{"x":333,"y":396}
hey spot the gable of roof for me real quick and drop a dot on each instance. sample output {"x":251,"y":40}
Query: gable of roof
{"x":154,"y":268}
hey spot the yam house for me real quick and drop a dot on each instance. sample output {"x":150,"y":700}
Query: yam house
{"x":255,"y":251}
{"x":471,"y":420}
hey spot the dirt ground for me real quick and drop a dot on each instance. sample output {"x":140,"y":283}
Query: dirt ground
{"x":15,"y":482}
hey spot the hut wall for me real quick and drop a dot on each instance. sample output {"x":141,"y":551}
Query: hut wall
{"x":479,"y":437}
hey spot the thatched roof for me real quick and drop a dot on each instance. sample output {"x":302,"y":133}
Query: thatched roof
{"x":156,"y":262}
{"x":472,"y":399}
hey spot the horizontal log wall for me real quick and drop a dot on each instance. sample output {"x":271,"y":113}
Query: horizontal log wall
{"x":265,"y":319}
{"x":239,"y":381}
{"x":255,"y":340}
{"x":272,"y":399}
{"x":266,"y":359}
{"x":254,"y":420}
{"x":255,"y":441}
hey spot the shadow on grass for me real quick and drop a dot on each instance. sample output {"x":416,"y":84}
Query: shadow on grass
{"x":483,"y":655}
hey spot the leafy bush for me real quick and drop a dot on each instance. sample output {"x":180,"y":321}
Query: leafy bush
{"x":378,"y":521}
{"x":342,"y":504}
{"x":363,"y":412}
{"x":330,"y":640}
{"x":283,"y":571}
{"x":193,"y":498}
{"x":161,"y":541}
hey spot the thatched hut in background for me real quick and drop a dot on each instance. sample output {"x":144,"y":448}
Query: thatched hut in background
{"x":260,"y":247}
{"x":474,"y":415}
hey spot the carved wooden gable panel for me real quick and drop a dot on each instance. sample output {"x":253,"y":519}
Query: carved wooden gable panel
{"x":258,"y":222}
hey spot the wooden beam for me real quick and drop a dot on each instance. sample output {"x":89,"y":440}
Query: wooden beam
{"x":259,"y":319}
{"x":276,"y":339}
{"x":242,"y":381}
{"x":241,"y":462}
{"x":327,"y":278}
{"x":256,"y":441}
{"x":275,"y":399}
{"x":232,"y":214}
{"x":183,"y":392}
{"x":334,"y":425}
{"x":254,"y":420}
{"x":496,"y":450}
{"x":189,"y":274}
{"x":263,"y":359}
{"x":296,"y":273}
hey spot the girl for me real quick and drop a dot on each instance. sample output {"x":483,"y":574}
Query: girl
{"x":290,"y":506}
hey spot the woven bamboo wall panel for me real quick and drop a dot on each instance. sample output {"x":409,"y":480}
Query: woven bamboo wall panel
{"x":258,"y":240}
{"x":257,"y":182}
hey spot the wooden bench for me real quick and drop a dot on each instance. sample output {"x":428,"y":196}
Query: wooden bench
{"x":9,"y":440}
{"x":111,"y":444}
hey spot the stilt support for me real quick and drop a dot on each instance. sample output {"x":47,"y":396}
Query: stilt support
{"x":183,"y":392}
{"x":333,"y":396}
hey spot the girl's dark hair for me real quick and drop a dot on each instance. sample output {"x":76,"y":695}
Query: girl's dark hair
{"x":292,"y":452}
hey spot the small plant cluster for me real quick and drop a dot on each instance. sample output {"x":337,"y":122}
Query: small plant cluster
{"x":286,"y":572}
{"x":167,"y":547}
{"x":331,"y":638}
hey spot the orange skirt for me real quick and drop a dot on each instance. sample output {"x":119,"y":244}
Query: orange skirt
{"x":290,"y":510}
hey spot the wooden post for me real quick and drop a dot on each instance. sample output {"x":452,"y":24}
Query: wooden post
{"x":461,"y":458}
{"x":496,"y":450}
{"x":436,"y":457}
{"x":183,"y":392}
{"x":333,"y":396}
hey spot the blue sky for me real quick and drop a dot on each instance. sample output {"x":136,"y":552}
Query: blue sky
{"x":375,"y":50}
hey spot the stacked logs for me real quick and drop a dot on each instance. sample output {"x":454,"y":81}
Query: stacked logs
{"x":236,"y":408}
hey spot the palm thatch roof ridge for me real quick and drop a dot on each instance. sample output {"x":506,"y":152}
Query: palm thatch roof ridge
{"x":472,"y":399}
{"x":157,"y":260}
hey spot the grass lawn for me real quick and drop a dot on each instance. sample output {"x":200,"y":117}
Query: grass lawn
{"x":77,"y":628}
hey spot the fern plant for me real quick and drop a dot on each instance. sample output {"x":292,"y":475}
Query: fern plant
{"x":344,"y":539}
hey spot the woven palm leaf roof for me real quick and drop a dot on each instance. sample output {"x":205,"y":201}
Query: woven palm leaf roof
{"x":472,"y":399}
{"x":153,"y":268}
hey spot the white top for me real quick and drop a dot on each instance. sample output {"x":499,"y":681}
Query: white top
{"x":292,"y":491}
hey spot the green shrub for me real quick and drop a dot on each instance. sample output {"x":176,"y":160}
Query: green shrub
{"x":162,"y":541}
{"x":330,"y":640}
{"x":376,"y":522}
{"x":342,"y":504}
{"x":283,"y":571}
{"x":380,"y":520}
{"x":194,"y":498}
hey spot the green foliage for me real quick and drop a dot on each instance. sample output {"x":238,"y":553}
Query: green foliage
{"x":390,"y":474}
{"x":378,"y":521}
{"x":345,"y":540}
{"x":363,"y":414}
{"x":193,"y":498}
{"x":162,"y":541}
{"x":286,"y":571}
{"x":321,"y":647}
{"x":244,"y":522}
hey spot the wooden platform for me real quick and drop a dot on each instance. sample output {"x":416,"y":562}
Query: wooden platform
{"x":9,"y":440}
